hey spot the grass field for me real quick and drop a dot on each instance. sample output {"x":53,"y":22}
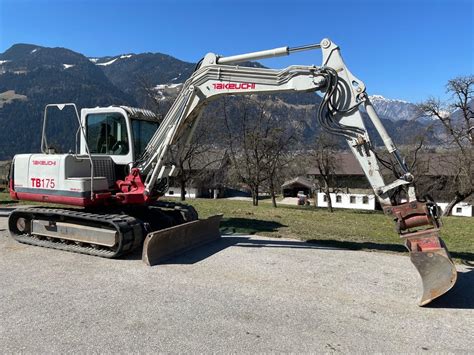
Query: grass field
{"x":356,"y":230}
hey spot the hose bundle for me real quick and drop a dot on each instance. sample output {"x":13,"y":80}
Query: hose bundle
{"x":328,"y":109}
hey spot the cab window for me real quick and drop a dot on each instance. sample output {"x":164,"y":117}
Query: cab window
{"x":107,"y":134}
{"x":143,"y":131}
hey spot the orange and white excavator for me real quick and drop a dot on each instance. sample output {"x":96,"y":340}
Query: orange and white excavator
{"x":123,"y":164}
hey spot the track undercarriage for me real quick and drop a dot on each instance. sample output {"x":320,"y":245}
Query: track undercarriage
{"x":93,"y":232}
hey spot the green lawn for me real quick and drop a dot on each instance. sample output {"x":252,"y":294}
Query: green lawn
{"x":350,"y":229}
{"x":357,"y":230}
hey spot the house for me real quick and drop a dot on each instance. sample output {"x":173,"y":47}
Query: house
{"x":348,"y":183}
{"x":351,"y":188}
{"x":347,"y":173}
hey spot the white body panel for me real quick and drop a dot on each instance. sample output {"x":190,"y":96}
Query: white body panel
{"x":53,"y":174}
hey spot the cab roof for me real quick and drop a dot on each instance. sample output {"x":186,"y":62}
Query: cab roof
{"x":141,"y":114}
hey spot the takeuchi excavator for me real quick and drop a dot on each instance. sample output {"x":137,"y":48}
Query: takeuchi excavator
{"x":122,"y":165}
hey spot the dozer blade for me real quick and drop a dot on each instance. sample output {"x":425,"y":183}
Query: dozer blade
{"x":167,"y":243}
{"x":437,"y":270}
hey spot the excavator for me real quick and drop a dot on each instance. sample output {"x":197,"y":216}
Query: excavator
{"x":121,"y":167}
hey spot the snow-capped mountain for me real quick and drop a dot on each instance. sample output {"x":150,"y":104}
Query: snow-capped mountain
{"x":394,"y":109}
{"x":104,"y":61}
{"x":132,"y":73}
{"x":32,"y":76}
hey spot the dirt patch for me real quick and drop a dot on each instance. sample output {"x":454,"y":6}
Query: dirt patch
{"x":7,"y":97}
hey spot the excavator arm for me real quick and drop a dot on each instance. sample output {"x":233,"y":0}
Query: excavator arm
{"x":339,"y":113}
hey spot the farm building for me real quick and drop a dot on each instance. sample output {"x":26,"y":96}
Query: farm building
{"x":293,"y":187}
{"x":352,"y":190}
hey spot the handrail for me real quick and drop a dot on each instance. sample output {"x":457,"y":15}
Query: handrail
{"x":44,"y":143}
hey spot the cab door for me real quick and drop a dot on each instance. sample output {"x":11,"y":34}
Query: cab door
{"x":108,"y":133}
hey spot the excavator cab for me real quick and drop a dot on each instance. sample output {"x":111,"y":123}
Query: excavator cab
{"x":120,"y":132}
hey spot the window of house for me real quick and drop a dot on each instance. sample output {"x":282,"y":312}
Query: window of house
{"x":325,"y":198}
{"x":458,"y":210}
{"x":170,"y":192}
{"x":338,"y":198}
{"x":365,"y":200}
{"x":352,"y":199}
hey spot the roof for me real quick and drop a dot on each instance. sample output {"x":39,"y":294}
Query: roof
{"x":428,"y":164}
{"x":346,"y":164}
{"x":141,"y":114}
{"x":297,"y":182}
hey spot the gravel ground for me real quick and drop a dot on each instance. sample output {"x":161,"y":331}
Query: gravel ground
{"x":242,"y":294}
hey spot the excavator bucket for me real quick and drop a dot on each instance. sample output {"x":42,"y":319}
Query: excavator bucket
{"x":167,"y":243}
{"x":418,"y":224}
{"x":437,"y":270}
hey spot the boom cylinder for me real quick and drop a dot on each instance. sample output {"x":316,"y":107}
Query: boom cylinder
{"x":384,"y":135}
{"x":269,"y":53}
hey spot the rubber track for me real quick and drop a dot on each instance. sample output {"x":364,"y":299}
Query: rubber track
{"x":129,"y":228}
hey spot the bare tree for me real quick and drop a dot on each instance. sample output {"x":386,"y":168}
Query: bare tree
{"x":324,"y":158}
{"x":194,"y":158}
{"x":244,"y":140}
{"x":258,"y":143}
{"x":457,"y":119}
{"x":278,"y":154}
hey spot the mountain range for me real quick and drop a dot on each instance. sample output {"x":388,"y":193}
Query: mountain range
{"x":393,"y":109}
{"x":32,"y":76}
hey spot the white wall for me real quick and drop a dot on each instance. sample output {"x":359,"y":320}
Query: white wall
{"x":462,"y":209}
{"x":346,"y":201}
{"x":191,"y":192}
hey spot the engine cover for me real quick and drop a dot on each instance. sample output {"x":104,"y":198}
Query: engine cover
{"x":55,"y":178}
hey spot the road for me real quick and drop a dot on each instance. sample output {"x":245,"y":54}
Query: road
{"x":241,"y":294}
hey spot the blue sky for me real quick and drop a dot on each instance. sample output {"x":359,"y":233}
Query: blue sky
{"x":399,"y":48}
